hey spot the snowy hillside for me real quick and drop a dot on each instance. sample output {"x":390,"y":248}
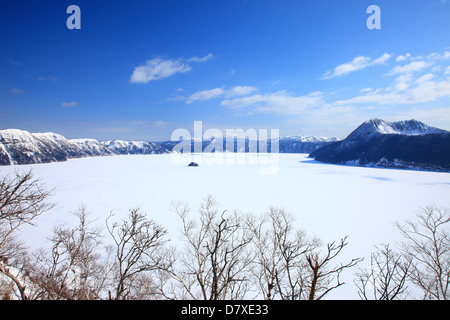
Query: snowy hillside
{"x":403,"y":144}
{"x":380,"y":127}
{"x":134,"y":147}
{"x":22,"y":147}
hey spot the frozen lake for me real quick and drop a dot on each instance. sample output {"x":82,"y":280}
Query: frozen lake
{"x":329,"y":201}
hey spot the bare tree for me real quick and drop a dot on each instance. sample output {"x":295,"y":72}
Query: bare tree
{"x":427,"y":245}
{"x":386,"y":278}
{"x":139,"y":249}
{"x":289,"y":264}
{"x":324,"y":278}
{"x":216,"y":257}
{"x":22,"y":200}
{"x":280,"y":255}
{"x":74,"y":268}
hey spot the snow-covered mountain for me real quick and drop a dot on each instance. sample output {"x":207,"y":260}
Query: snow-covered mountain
{"x":404,"y":144}
{"x":303,"y":144}
{"x":23,"y":147}
{"x":377,"y":126}
{"x":289,"y":144}
{"x":134,"y":147}
{"x":378,"y":143}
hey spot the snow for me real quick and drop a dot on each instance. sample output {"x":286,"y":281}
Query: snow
{"x":121,"y":146}
{"x":329,"y":201}
{"x":407,"y":127}
{"x":386,"y":128}
{"x":15,"y":133}
{"x":5,"y":151}
{"x":90,"y":146}
{"x":49,"y":136}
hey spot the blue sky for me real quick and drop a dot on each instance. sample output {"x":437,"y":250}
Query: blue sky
{"x":140,"y":69}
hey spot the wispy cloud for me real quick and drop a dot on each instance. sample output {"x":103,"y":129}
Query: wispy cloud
{"x":220,"y":93}
{"x":201,"y":59}
{"x":16,"y":91}
{"x":70,"y":104}
{"x":411,"y":85}
{"x":357,"y":63}
{"x":405,"y":84}
{"x":279,"y":102}
{"x":422,"y":89}
{"x":159,"y":68}
{"x":402,"y":57}
{"x":410,"y":67}
{"x":205,"y":95}
{"x":402,"y":82}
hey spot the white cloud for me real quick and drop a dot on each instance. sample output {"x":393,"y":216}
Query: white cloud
{"x":435,"y":56}
{"x":201,"y":59}
{"x":369,"y":89}
{"x":278,"y":102}
{"x":413,"y":84}
{"x":240,"y":91}
{"x":403,"y":57}
{"x":357,"y":63}
{"x":69,"y":104}
{"x":425,"y":90}
{"x":436,"y":117}
{"x":425,"y":78}
{"x":220,"y":92}
{"x":411,"y":67}
{"x":403,"y":82}
{"x":205,"y":95}
{"x":381,"y":60}
{"x":429,"y":91}
{"x":158,"y":68}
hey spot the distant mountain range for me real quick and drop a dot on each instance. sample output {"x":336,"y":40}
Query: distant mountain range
{"x":404,"y":144}
{"x":22,"y":147}
{"x":291,"y":144}
{"x":375,"y":143}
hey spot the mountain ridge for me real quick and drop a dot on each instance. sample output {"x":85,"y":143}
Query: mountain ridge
{"x":408,"y":144}
{"x":22,"y":147}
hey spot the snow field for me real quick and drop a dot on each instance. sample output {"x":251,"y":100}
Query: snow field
{"x":328,"y":201}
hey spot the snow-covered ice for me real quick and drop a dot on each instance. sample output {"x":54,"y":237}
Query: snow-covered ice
{"x":329,"y":201}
